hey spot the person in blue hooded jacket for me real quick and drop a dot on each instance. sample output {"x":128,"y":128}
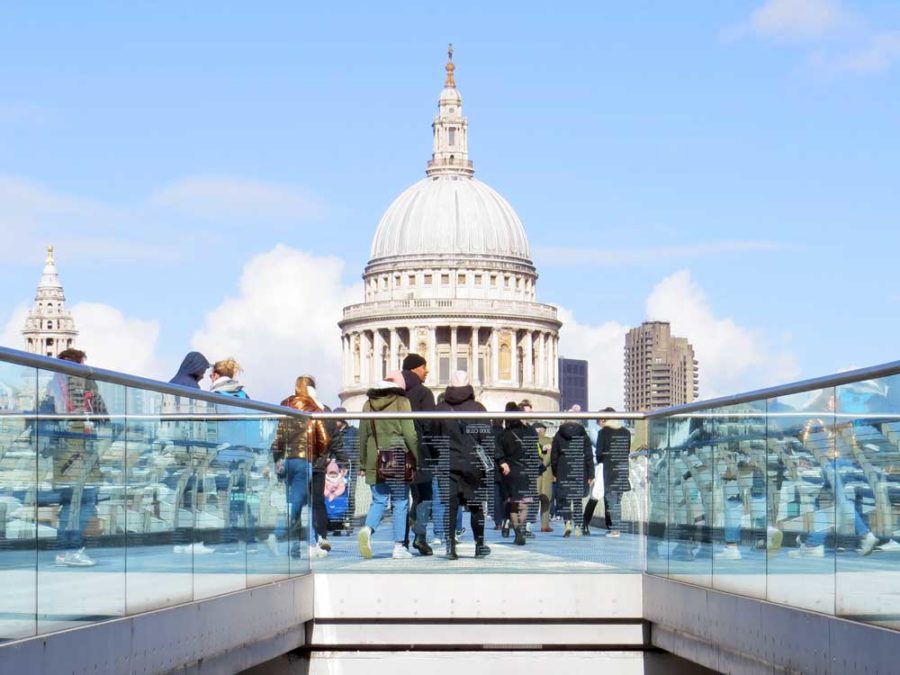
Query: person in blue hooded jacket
{"x":192,"y":369}
{"x":235,"y":454}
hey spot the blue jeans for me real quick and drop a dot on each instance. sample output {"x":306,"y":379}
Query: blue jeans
{"x":398,"y":493}
{"x":71,"y":537}
{"x":438,"y":508}
{"x":296,"y":478}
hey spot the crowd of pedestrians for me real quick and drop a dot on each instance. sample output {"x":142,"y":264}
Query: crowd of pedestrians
{"x":423,"y":471}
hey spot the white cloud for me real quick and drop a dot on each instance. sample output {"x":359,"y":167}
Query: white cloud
{"x":283,"y":323}
{"x":799,"y":19}
{"x":840,"y":40}
{"x":33,"y":215}
{"x":12,"y":332}
{"x":603,"y":346}
{"x":116,"y":342}
{"x":732,"y":358}
{"x":228,"y":199}
{"x":882,"y":50}
{"x":588,"y":256}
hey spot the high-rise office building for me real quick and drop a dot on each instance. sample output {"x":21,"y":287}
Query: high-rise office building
{"x":660,"y":370}
{"x":573,"y":383}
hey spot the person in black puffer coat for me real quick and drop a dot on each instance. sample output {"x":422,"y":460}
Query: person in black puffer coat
{"x":571,"y":459}
{"x":467,"y":471}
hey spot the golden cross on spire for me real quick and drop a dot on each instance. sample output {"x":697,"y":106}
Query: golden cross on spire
{"x":450,"y":82}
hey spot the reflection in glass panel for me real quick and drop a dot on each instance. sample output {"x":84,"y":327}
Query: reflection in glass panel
{"x":867,"y":480}
{"x":801,"y":455}
{"x":20,"y":515}
{"x":81,"y":486}
{"x":266,"y":510}
{"x":159,"y":561}
{"x":657,"y":497}
{"x":691,"y":458}
{"x":737,"y":499}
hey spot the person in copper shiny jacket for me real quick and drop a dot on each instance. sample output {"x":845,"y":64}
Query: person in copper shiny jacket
{"x":298,"y":444}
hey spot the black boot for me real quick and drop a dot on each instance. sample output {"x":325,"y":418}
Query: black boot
{"x":504,"y":528}
{"x":520,"y":535}
{"x":421,"y":545}
{"x":451,"y":550}
{"x":482,"y":550}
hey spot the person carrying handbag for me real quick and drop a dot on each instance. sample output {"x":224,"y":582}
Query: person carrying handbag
{"x":388,"y":455}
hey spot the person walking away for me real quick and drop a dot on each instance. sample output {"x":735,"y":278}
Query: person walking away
{"x":545,"y":479}
{"x":298,"y":443}
{"x":573,"y":467}
{"x":613,"y":452}
{"x":516,"y":441}
{"x":192,"y":369}
{"x":415,"y":372}
{"x":388,"y":434}
{"x":467,"y":471}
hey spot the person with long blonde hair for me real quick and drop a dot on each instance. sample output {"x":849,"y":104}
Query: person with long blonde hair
{"x":300,"y":443}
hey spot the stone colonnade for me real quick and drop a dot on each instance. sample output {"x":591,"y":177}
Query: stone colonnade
{"x":492,"y":355}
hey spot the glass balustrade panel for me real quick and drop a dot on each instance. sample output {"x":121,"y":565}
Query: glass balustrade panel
{"x":80,"y":495}
{"x":867,"y":487}
{"x":22,"y":447}
{"x":801,"y":461}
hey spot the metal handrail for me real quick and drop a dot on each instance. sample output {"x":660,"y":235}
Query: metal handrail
{"x":115,"y":377}
{"x":834,"y":380}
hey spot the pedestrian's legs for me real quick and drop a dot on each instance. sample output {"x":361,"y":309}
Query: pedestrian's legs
{"x":399,"y":493}
{"x":545,"y":512}
{"x":438,"y":507}
{"x":423,"y":509}
{"x":589,"y":510}
{"x":320,"y":516}
{"x":477,"y":521}
{"x":380,"y":495}
{"x":296,"y":476}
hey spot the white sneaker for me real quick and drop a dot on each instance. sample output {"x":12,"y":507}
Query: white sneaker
{"x":323,"y":543}
{"x":774,"y":537}
{"x":75,"y":559}
{"x":316,"y":551}
{"x":401,"y":552}
{"x":805,"y":551}
{"x":437,"y":541}
{"x":272,"y":544}
{"x":568,"y":528}
{"x":890,"y":546}
{"x":364,"y":539}
{"x":868,"y":544}
{"x":197,"y":548}
{"x":729,"y":553}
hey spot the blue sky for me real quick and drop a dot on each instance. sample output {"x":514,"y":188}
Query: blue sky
{"x":728,"y":166}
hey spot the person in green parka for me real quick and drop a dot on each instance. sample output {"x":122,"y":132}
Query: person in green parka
{"x":386,"y":396}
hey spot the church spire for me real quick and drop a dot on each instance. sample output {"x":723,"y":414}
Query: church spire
{"x":49,"y":328}
{"x":450,"y":82}
{"x":450,"y":140}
